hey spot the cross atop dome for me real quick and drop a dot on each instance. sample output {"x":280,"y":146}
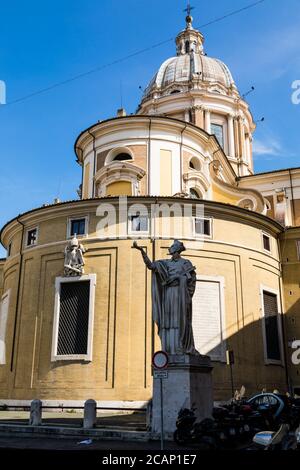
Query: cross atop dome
{"x":189,"y":18}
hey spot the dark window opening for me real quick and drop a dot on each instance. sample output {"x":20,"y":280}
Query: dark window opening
{"x":77,"y":227}
{"x":218,"y":131}
{"x":187,"y":47}
{"x":194,"y":194}
{"x":139,"y":223}
{"x":73,"y":318}
{"x":195,"y":164}
{"x":121,"y":157}
{"x":271,"y":326}
{"x":9,"y":250}
{"x":202,"y":227}
{"x":174,"y":92}
{"x":267,"y":243}
{"x":31,"y":237}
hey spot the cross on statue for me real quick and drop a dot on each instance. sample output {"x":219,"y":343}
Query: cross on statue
{"x":189,"y":8}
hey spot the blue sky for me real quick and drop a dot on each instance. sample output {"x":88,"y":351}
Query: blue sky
{"x":42,"y":43}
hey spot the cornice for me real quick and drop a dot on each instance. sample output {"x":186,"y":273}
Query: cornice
{"x":65,"y":208}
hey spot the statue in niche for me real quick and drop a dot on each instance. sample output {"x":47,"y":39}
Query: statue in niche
{"x":74,"y":261}
{"x":173,"y":286}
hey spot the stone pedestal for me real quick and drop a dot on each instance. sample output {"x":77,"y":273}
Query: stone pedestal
{"x":189,"y":384}
{"x":90,"y":414}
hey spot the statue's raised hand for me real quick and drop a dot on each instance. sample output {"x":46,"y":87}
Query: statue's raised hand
{"x":135,"y":245}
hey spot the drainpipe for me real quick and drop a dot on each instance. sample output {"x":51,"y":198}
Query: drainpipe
{"x":284,"y":337}
{"x":149,"y":155}
{"x":82,"y":168}
{"x":94,"y":169}
{"x":18,"y":296}
{"x":153,"y":240}
{"x":181,"y":156}
{"x":292,"y":194}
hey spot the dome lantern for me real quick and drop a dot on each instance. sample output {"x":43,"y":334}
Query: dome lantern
{"x":190,"y":39}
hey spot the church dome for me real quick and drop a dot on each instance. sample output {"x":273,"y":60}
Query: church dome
{"x":181,"y":69}
{"x":189,"y":66}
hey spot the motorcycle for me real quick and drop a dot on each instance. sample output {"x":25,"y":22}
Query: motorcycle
{"x":185,"y":426}
{"x":209,"y":433}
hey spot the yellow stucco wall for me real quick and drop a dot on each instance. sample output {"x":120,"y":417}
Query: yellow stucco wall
{"x":120,"y":188}
{"x":223,"y":196}
{"x":120,"y":369}
{"x":291,"y":291}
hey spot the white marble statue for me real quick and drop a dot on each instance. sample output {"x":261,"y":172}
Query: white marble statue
{"x":74,"y":261}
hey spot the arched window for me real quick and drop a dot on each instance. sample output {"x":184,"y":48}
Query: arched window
{"x":174,"y":92}
{"x":187,"y":47}
{"x":195,"y":164}
{"x":119,"y":154}
{"x":194,"y":194}
{"x":120,"y":157}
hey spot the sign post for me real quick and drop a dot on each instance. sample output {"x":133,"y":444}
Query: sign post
{"x":230,"y":362}
{"x":160,"y":362}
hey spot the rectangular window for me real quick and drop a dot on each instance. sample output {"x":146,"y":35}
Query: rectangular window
{"x":202,"y":226}
{"x":31,"y":238}
{"x":73,"y":323}
{"x":208,"y":317}
{"x":266,"y":242}
{"x":77,"y":227}
{"x":138,"y":223}
{"x":271,"y":327}
{"x":218,"y":131}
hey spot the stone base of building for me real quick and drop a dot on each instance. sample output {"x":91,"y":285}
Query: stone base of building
{"x":188,"y":385}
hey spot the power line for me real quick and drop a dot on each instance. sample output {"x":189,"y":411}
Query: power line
{"x":235,"y":12}
{"x":127,"y":57}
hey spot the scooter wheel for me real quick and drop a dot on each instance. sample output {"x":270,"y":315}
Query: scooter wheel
{"x":178,"y":438}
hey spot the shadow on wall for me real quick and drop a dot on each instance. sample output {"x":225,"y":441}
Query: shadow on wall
{"x":259,"y":360}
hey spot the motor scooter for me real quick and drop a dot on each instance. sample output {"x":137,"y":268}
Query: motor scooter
{"x":283,"y":439}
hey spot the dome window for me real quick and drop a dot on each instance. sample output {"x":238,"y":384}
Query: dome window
{"x":218,"y":131}
{"x":187,"y":47}
{"x":119,"y":154}
{"x":174,"y":92}
{"x":195,"y":164}
{"x":194,"y":194}
{"x":121,"y":157}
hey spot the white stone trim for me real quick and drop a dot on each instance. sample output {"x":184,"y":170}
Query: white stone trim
{"x":117,"y":172}
{"x":221,"y":281}
{"x":83,"y":357}
{"x":245,"y":198}
{"x":264,"y":288}
{"x":115,"y":151}
{"x":262,"y":241}
{"x":133,"y":210}
{"x":3,"y":324}
{"x":36,"y":227}
{"x":202,"y":235}
{"x":72,"y":403}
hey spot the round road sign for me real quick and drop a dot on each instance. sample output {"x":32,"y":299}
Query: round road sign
{"x":160,"y":360}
